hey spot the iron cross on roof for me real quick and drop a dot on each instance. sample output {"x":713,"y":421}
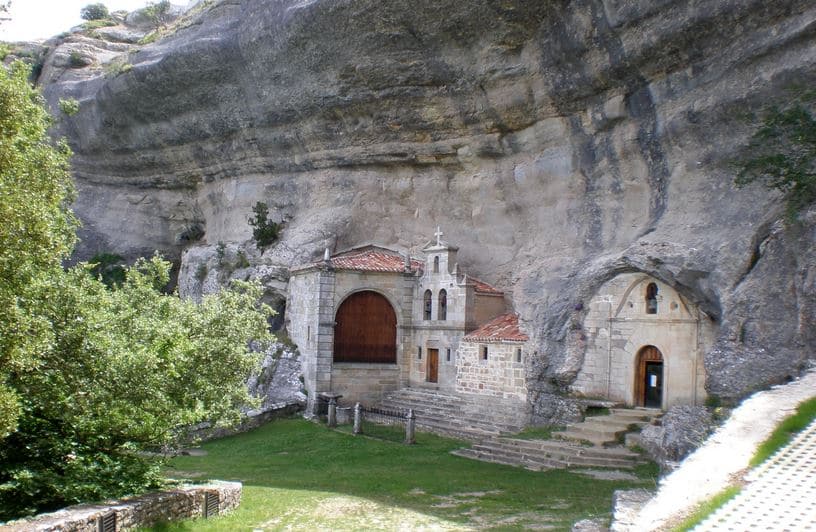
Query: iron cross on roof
{"x":438,"y":236}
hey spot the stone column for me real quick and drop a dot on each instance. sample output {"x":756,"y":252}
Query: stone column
{"x":332,"y":412}
{"x":358,"y":419}
{"x":325,"y":332}
{"x":410,"y":420}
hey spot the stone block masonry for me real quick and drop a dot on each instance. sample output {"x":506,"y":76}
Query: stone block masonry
{"x":185,"y":502}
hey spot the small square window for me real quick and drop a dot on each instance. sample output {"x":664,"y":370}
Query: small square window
{"x":483,"y":352}
{"x":419,"y":353}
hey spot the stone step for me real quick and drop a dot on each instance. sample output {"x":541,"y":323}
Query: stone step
{"x":644,"y":414}
{"x":557,"y":447}
{"x":598,"y":440}
{"x":484,"y":428}
{"x":567,"y":455}
{"x":472,"y":434}
{"x":547,"y":459}
{"x":534,"y":465}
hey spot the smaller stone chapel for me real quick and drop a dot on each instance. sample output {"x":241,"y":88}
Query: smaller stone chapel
{"x":370,"y":320}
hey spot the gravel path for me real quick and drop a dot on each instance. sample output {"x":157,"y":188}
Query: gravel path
{"x":724,"y":456}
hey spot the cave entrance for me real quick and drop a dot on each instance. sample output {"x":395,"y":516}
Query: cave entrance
{"x":649,"y":377}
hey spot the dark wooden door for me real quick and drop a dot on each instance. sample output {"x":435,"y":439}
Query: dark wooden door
{"x":653,"y":386}
{"x":433,"y":365}
{"x":365,"y":330}
{"x":649,"y":377}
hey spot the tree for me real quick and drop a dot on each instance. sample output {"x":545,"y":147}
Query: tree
{"x":783,"y":153}
{"x":130,"y":368}
{"x":93,"y":377}
{"x":159,"y":13}
{"x":94,"y":12}
{"x":264,"y":231}
{"x":37,"y":231}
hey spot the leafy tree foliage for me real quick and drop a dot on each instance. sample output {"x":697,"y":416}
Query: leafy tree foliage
{"x":94,"y":12}
{"x":92,"y":377}
{"x":37,"y":229}
{"x":783,"y":153}
{"x":128,"y":370}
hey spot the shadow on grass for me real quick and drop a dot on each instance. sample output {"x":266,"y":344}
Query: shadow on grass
{"x":294,"y":462}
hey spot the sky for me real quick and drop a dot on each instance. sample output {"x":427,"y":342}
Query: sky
{"x":41,"y":19}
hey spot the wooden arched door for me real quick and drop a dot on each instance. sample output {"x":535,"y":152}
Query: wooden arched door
{"x":365,"y":330}
{"x":649,"y":377}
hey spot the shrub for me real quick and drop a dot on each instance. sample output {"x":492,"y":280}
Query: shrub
{"x":117,"y":66}
{"x":242,"y":261}
{"x":94,"y":24}
{"x":94,"y":12}
{"x":201,"y":272}
{"x":75,"y":60}
{"x":69,"y":106}
{"x":783,"y":153}
{"x":264,"y":230}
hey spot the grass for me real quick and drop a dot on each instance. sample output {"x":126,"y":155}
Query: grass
{"x":707,"y":508}
{"x":784,"y":433}
{"x":302,"y":476}
{"x":593,"y":411}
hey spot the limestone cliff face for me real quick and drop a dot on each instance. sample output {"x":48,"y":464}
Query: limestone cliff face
{"x":557,"y":143}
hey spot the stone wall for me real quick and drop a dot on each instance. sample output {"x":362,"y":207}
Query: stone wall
{"x":362,"y":382}
{"x":501,"y":375}
{"x":303,"y":326}
{"x":617,"y":327}
{"x":185,"y":502}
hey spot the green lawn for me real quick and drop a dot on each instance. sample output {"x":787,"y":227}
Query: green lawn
{"x":301,"y":476}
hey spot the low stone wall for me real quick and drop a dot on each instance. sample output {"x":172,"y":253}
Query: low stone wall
{"x":251,"y":420}
{"x":185,"y":502}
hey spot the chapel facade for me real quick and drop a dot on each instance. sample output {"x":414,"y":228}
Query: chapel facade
{"x":645,"y":345}
{"x":371,"y":320}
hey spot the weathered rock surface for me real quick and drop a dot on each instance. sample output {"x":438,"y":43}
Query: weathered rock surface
{"x":681,"y":430}
{"x":557,"y":143}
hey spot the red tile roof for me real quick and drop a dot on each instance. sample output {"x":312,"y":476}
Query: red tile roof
{"x":502,"y":328}
{"x":369,"y":259}
{"x":482,"y":287}
{"x":374,"y":261}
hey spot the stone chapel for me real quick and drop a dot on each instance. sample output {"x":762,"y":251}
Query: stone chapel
{"x":372,"y":320}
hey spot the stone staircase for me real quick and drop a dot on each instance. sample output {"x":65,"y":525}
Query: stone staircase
{"x":457,"y":415}
{"x":539,"y":455}
{"x":603,"y":431}
{"x":592,"y":443}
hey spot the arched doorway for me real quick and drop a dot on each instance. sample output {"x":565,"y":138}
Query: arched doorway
{"x":365,"y":329}
{"x":649,"y":377}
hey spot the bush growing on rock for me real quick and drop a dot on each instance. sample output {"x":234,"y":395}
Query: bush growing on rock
{"x":94,"y":12}
{"x":783,"y":153}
